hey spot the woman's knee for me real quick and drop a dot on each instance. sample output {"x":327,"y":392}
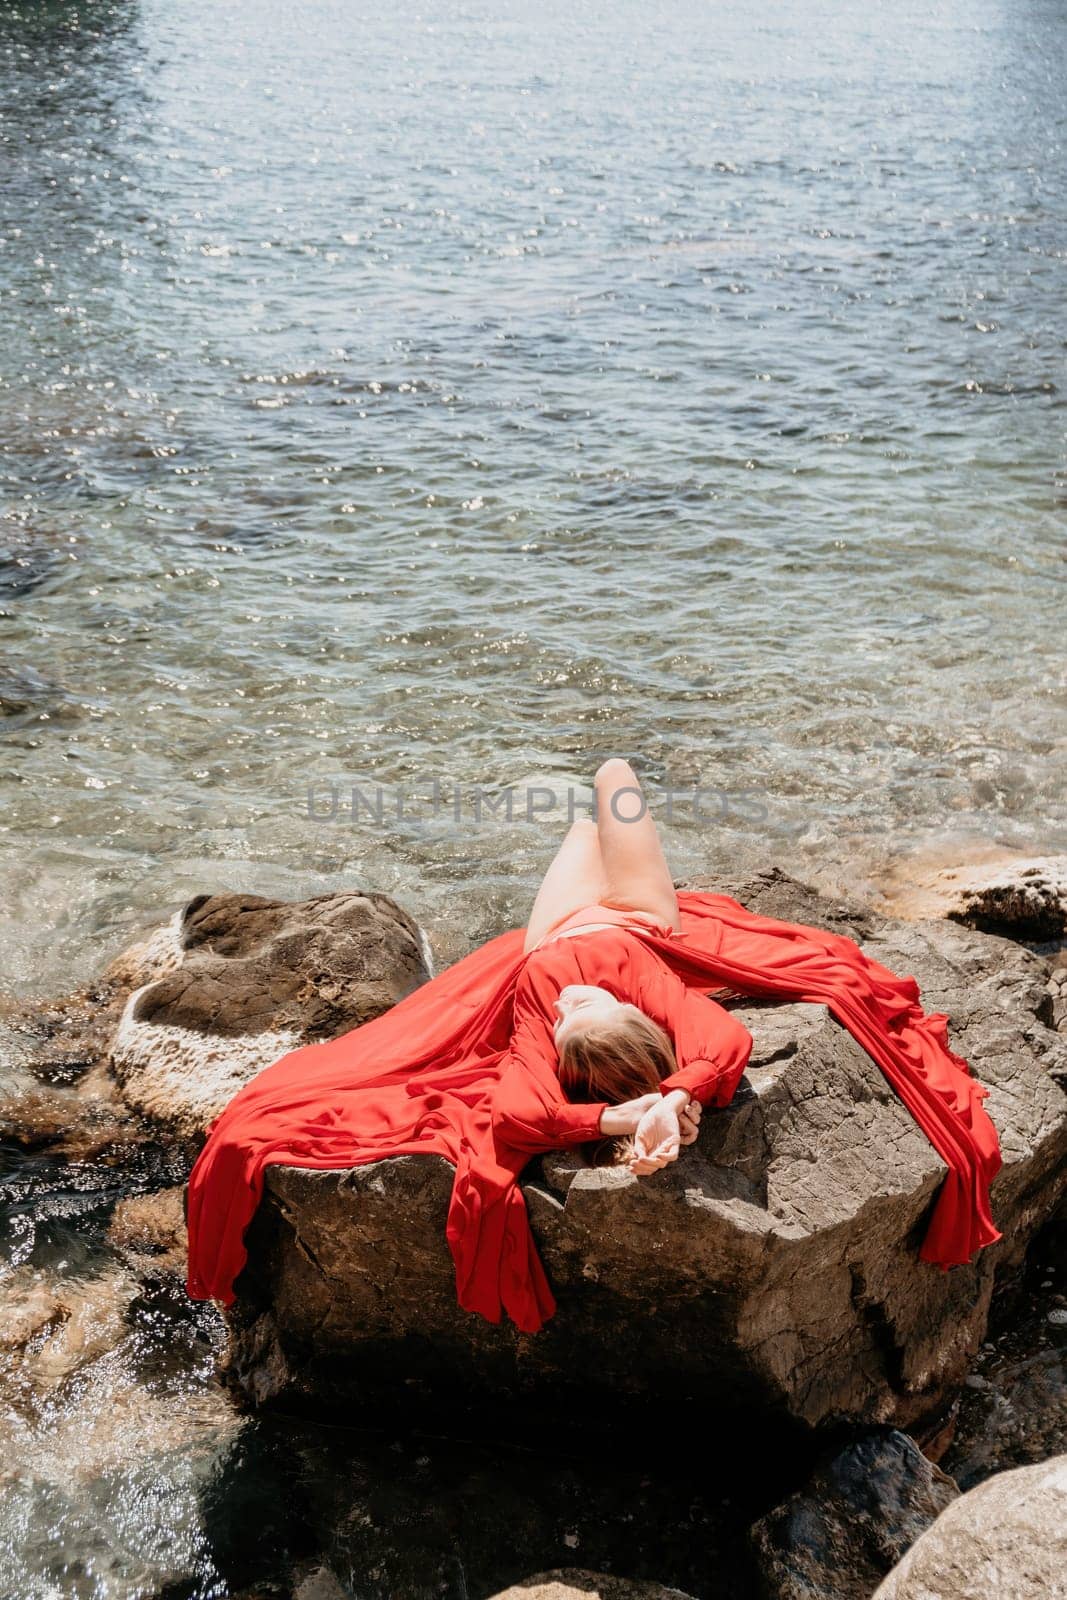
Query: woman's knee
{"x":620,"y":797}
{"x":615,"y":767}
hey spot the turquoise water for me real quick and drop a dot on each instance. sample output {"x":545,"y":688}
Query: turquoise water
{"x":461,"y":395}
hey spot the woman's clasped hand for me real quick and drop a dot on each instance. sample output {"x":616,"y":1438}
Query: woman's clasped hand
{"x":669,"y":1122}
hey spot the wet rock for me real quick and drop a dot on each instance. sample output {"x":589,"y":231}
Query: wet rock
{"x":187,"y":1014}
{"x":149,"y":1231}
{"x":159,"y":952}
{"x":859,"y":1512}
{"x":242,"y":980}
{"x":771,"y":1272}
{"x":1013,"y":1409}
{"x":65,"y":1043}
{"x":574,"y":1583}
{"x":84,"y":1123}
{"x":1023,"y":1410}
{"x":1007,"y":1537}
{"x":1022,"y":902}
{"x":96,"y":1441}
{"x":60,"y":1041}
{"x":58,"y":1326}
{"x":30,"y":1303}
{"x":996,"y":891}
{"x":41,"y":1115}
{"x":57,"y":1093}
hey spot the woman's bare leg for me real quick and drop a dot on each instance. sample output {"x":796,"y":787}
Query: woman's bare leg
{"x":575,"y":877}
{"x":635,"y":868}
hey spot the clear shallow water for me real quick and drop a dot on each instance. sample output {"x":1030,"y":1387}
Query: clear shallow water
{"x":476,"y":392}
{"x":469,"y":393}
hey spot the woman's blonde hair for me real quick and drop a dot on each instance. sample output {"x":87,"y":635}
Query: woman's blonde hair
{"x":615,"y":1059}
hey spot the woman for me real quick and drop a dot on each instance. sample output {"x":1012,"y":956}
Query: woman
{"x":611,"y":875}
{"x":591,"y":1024}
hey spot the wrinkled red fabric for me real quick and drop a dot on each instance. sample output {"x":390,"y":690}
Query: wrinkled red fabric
{"x":465,"y":1067}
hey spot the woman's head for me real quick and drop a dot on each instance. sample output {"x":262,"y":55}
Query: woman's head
{"x":608,"y":1049}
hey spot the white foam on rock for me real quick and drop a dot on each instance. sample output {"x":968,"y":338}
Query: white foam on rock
{"x":159,"y":953}
{"x":426,"y":952}
{"x":186,"y":1077}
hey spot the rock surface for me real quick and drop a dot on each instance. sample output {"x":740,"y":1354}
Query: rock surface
{"x":1007,"y":1538}
{"x":772,"y":1270}
{"x":569,"y":1583}
{"x":855,"y":1517}
{"x":183,"y":1018}
{"x":993,"y":890}
{"x":242,"y":980}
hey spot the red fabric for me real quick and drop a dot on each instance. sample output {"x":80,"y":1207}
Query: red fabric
{"x":464,"y":1067}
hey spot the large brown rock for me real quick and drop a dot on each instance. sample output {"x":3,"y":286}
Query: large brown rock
{"x":182,"y":1018}
{"x":237,"y":980}
{"x":1007,"y":1538}
{"x":773,"y":1270}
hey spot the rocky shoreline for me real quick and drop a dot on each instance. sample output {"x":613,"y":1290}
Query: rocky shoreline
{"x":766,"y":1287}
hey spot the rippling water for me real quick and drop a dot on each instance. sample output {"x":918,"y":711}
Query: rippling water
{"x":478,"y":391}
{"x":474,"y":391}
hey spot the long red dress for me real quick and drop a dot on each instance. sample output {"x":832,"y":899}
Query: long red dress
{"x":465,"y":1067}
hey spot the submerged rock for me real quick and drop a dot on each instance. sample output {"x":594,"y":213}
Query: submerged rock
{"x":1007,"y":1537}
{"x":148,"y":1230}
{"x":104,"y":1462}
{"x":855,"y":1517}
{"x":83,"y":1121}
{"x":58,"y":1326}
{"x":772,"y":1272}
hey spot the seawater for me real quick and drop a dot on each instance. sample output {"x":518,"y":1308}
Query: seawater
{"x":467,"y":393}
{"x":476,"y":391}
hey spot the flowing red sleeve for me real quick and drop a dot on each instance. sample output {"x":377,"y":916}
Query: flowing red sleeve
{"x":529,"y":1109}
{"x":526,"y":1113}
{"x":711,"y":1047}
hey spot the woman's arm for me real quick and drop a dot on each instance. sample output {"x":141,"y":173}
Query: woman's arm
{"x":711,"y":1047}
{"x":529,"y":1107}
